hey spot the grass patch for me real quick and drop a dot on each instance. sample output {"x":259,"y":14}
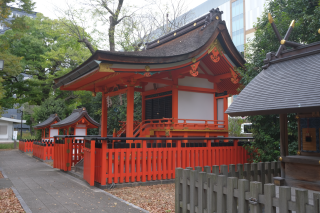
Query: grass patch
{"x":7,"y":145}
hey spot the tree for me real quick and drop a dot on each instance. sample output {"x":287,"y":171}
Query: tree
{"x":5,"y":11}
{"x":47,"y":51}
{"x":306,"y":13}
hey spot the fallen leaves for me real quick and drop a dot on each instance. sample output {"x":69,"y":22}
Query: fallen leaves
{"x":9,"y":202}
{"x":155,"y":199}
{"x":1,"y":176}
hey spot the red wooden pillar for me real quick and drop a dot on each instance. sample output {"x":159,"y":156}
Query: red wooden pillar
{"x":104,"y":124}
{"x":130,"y":111}
{"x":225,"y":117}
{"x":92,"y":162}
{"x":175,"y":99}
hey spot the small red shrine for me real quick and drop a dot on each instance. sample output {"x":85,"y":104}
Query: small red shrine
{"x":48,"y":132}
{"x":77,"y":123}
{"x":184,"y":77}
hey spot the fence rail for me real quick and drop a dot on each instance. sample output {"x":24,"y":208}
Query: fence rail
{"x":26,"y":145}
{"x":43,"y":150}
{"x":197,"y":191}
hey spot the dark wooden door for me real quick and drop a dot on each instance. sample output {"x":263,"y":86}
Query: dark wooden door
{"x":158,"y":108}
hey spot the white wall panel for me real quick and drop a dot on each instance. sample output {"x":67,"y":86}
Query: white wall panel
{"x":193,"y":105}
{"x":54,"y":132}
{"x":195,"y":82}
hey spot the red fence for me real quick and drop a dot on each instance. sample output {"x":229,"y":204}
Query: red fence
{"x":67,"y":152}
{"x":26,"y":145}
{"x":146,"y":160}
{"x":43,"y":150}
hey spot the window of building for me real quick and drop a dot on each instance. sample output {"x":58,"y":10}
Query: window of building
{"x":237,"y":25}
{"x":46,"y":134}
{"x":3,"y":130}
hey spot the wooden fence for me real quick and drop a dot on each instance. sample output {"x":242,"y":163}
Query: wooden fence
{"x":43,"y":150}
{"x":147,"y":159}
{"x":26,"y":145}
{"x":67,"y":152}
{"x":197,"y":191}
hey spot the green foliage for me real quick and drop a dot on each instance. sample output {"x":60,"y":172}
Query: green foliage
{"x":47,"y":51}
{"x":5,"y":11}
{"x":7,"y":145}
{"x":306,"y":13}
{"x":25,"y":136}
{"x":235,"y":126}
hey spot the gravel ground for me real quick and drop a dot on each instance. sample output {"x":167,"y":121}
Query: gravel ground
{"x":155,"y":199}
{"x":9,"y":202}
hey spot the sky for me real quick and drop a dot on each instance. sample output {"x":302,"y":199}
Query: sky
{"x":46,"y":7}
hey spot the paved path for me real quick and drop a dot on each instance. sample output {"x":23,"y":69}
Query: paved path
{"x":45,"y":189}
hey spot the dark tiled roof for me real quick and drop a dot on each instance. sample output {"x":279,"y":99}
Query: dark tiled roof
{"x":289,"y":86}
{"x":76,"y":115}
{"x":182,"y":44}
{"x":48,"y":122}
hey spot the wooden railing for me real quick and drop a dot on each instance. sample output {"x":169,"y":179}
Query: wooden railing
{"x":232,"y":192}
{"x":43,"y":150}
{"x":192,"y":124}
{"x":26,"y":145}
{"x":123,"y":125}
{"x":146,"y":159}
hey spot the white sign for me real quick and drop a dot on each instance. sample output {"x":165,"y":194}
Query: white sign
{"x":15,"y":135}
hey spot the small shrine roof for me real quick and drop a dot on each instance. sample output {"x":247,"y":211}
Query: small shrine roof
{"x":288,"y":84}
{"x":75,"y":116}
{"x":170,"y":52}
{"x":48,"y":122}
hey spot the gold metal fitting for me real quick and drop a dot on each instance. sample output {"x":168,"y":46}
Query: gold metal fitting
{"x":194,"y":24}
{"x":292,"y":24}
{"x":319,"y":31}
{"x":147,"y":68}
{"x":282,"y":41}
{"x":270,"y":18}
{"x":217,"y":17}
{"x":194,"y":60}
{"x":319,"y":161}
{"x":83,"y":108}
{"x":297,"y":116}
{"x":299,"y":153}
{"x":158,"y":41}
{"x":94,"y":94}
{"x":174,"y":34}
{"x":280,"y":158}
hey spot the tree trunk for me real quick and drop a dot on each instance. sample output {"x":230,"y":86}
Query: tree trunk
{"x":88,"y":45}
{"x":111,"y":33}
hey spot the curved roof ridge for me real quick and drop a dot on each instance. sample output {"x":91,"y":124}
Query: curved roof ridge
{"x":48,"y":122}
{"x":75,"y":116}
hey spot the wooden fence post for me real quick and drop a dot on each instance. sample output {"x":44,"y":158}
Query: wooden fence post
{"x":269,"y":194}
{"x":232,"y":170}
{"x":201,"y":195}
{"x":178,"y":189}
{"x":301,"y":200}
{"x":207,"y":169}
{"x":232,"y":183}
{"x":254,"y":168}
{"x":193,"y":192}
{"x":316,"y":202}
{"x":243,"y":187}
{"x":247,"y":169}
{"x":224,"y":170}
{"x":221,"y":198}
{"x":262,"y":174}
{"x":255,"y":190}
{"x":211,"y":194}
{"x":240,"y":171}
{"x":215,"y":170}
{"x":268,"y":172}
{"x":284,"y":197}
{"x":185,"y":191}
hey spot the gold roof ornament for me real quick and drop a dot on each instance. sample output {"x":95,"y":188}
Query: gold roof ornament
{"x":217,"y":17}
{"x":174,"y":34}
{"x":282,"y":41}
{"x":105,"y":67}
{"x":292,"y":24}
{"x":147,"y":68}
{"x":319,"y":31}
{"x":280,"y":158}
{"x":194,"y":60}
{"x":194,"y":24}
{"x":270,"y":18}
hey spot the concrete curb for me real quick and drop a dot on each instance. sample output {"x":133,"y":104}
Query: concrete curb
{"x":15,"y":191}
{"x":23,"y":204}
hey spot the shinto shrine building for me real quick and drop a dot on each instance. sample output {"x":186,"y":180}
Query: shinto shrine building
{"x":185,"y":78}
{"x":48,"y":132}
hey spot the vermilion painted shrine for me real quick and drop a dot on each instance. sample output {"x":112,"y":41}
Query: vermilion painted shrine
{"x":185,"y":78}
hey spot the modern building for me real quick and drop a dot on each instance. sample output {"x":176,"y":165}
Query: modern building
{"x":239,"y":15}
{"x":7,"y":131}
{"x":13,"y":114}
{"x":15,"y":12}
